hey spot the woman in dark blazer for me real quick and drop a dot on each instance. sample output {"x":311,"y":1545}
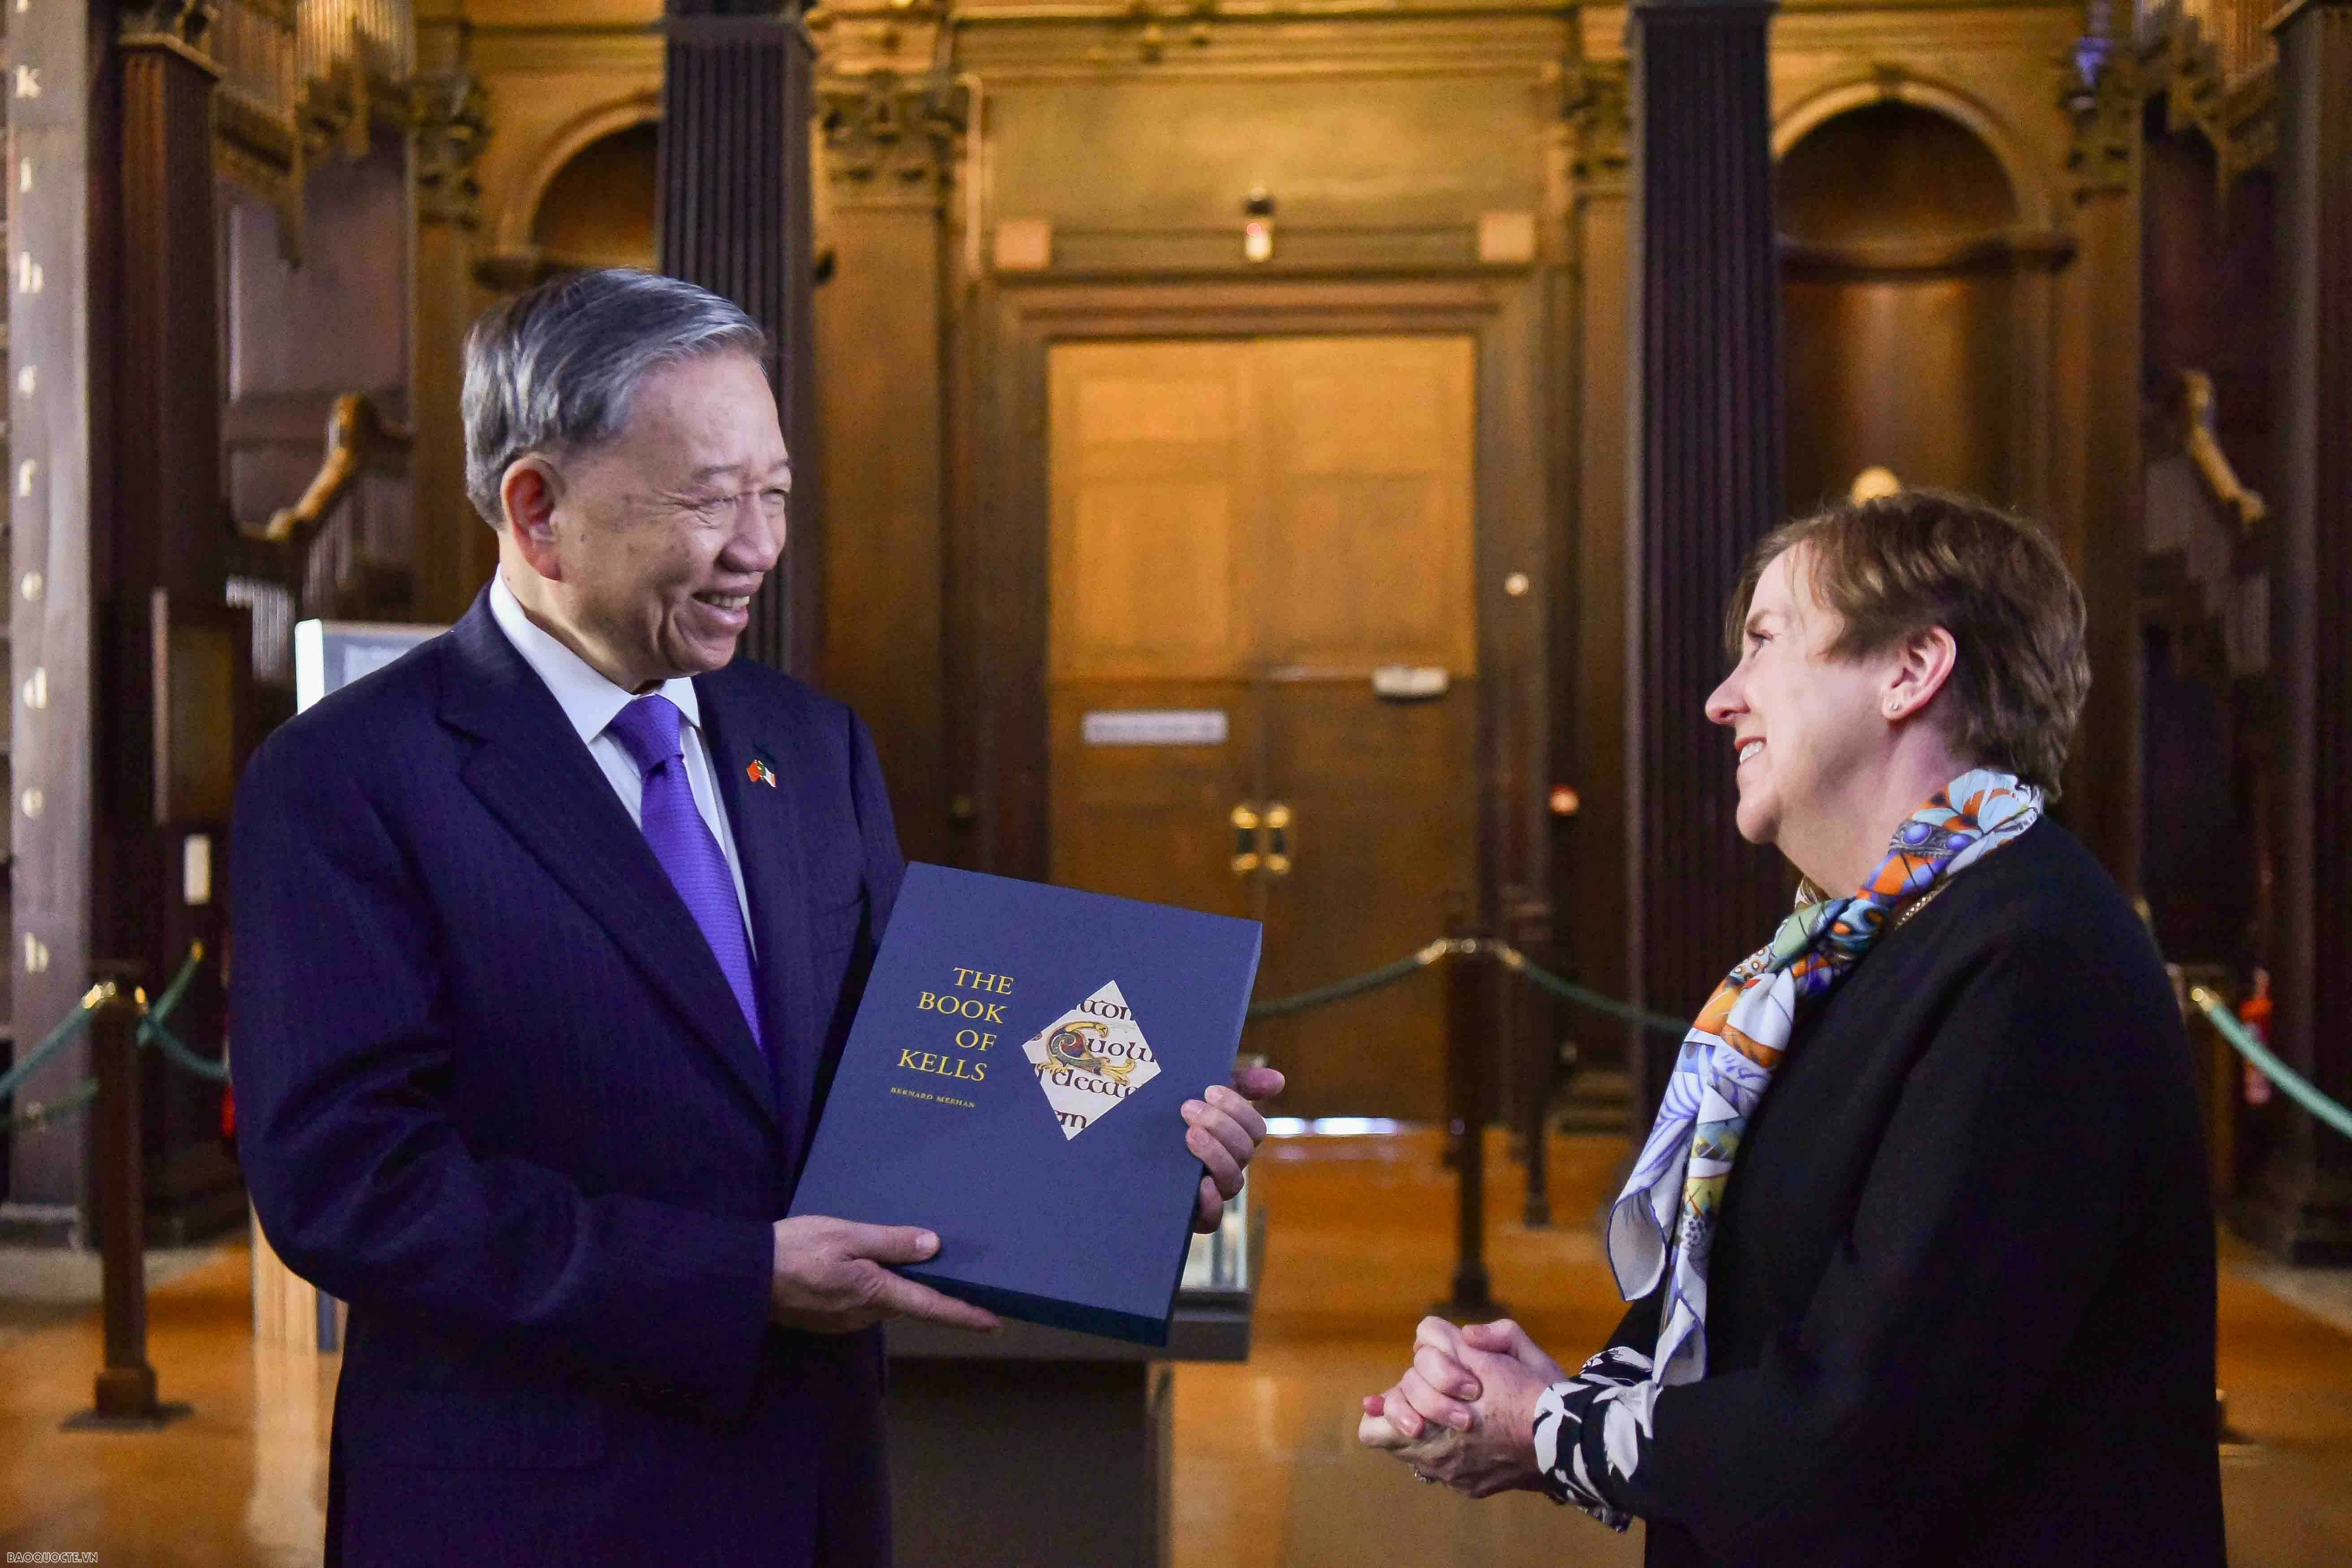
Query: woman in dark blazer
{"x":1919,"y":1252}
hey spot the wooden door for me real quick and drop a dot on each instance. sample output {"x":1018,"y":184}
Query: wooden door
{"x":1243,"y":532}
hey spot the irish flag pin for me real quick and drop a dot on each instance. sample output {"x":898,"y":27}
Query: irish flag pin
{"x":761,"y":772}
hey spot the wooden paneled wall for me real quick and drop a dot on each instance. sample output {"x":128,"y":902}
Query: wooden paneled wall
{"x":999,"y":176}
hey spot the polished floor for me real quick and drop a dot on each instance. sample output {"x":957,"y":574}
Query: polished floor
{"x":1266,"y":1471}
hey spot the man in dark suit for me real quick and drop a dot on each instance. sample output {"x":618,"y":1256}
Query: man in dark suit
{"x":547,"y":941}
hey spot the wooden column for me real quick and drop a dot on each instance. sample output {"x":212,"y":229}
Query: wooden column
{"x":2302,"y":1205}
{"x":890,"y":147}
{"x":168,"y":514}
{"x":449,"y":113}
{"x":1705,"y":484}
{"x":1592,"y":665}
{"x":172,"y":656}
{"x":734,"y":196}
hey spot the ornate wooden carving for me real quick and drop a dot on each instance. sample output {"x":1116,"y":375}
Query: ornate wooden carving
{"x":1597,"y":103}
{"x":1707,"y":478}
{"x":449,"y":114}
{"x":892,"y":138}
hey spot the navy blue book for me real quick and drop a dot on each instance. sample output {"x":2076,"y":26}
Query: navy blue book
{"x":1014,"y":1082}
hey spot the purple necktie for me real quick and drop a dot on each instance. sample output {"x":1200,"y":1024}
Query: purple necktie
{"x":683,"y":842}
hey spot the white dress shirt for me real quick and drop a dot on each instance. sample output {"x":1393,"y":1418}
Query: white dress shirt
{"x":592,"y":702}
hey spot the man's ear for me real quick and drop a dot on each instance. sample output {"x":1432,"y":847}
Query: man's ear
{"x":529,"y":494}
{"x":1924,"y":665}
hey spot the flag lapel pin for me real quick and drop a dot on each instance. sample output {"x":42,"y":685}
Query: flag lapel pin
{"x":760,"y":771}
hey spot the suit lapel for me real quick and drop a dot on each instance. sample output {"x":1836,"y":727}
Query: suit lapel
{"x":766,"y":820}
{"x":532,"y":773}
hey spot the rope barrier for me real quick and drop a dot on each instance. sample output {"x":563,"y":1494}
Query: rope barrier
{"x":55,"y":1040}
{"x":1528,"y":969}
{"x":36,"y":1115}
{"x":1510,"y":957}
{"x":153,"y":1032}
{"x":2299,"y":1089}
{"x":1356,"y":986}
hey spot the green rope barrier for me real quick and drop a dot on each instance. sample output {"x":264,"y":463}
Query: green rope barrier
{"x":153,"y":1030}
{"x":1356,"y":986}
{"x":1528,"y":969}
{"x":1510,"y":957}
{"x":2299,"y":1089}
{"x":55,"y":1040}
{"x":36,"y":1115}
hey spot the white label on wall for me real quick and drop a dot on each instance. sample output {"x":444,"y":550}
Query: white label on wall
{"x":196,"y":869}
{"x":1154,"y":727}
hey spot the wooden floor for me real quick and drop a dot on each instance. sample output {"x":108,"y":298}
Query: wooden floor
{"x":1268,"y":1473}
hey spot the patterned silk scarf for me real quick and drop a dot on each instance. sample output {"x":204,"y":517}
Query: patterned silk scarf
{"x":1663,"y":1223}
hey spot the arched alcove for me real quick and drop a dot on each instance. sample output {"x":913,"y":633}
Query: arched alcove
{"x":597,"y":210}
{"x":1899,"y":305}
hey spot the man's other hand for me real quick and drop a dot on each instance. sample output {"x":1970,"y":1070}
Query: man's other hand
{"x":830,"y":1278}
{"x":1225,"y":1130}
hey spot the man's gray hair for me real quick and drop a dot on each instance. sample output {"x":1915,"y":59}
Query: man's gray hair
{"x":553,"y":371}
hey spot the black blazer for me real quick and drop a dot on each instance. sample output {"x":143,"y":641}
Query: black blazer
{"x":495,"y":1093}
{"x":1961,"y":1298}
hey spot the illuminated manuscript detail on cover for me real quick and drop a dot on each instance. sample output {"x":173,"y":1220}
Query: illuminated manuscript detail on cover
{"x":1091,"y":1059}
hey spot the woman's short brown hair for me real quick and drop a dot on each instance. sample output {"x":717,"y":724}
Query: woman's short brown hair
{"x":1895,"y":566}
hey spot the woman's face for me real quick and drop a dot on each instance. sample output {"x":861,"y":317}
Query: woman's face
{"x":1805,"y":727}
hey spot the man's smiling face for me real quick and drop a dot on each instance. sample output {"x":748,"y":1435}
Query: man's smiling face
{"x":663,"y":532}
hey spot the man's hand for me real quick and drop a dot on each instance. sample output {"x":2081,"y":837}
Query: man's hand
{"x":1465,"y":1412}
{"x":830,"y":1278}
{"x":1226,"y":1131}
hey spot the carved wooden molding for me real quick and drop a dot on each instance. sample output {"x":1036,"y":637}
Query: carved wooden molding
{"x":1145,"y":39}
{"x":1597,"y":102}
{"x":180,"y":22}
{"x":887,"y":135}
{"x":2237,"y":115}
{"x":449,"y":114}
{"x":2103,"y":96}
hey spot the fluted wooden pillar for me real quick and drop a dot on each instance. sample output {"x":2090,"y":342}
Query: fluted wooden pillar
{"x":167,"y":484}
{"x":2302,"y":1204}
{"x":1705,"y":484}
{"x":734,"y":196}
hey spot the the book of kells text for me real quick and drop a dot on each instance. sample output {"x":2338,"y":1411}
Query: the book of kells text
{"x":1014,"y":1082}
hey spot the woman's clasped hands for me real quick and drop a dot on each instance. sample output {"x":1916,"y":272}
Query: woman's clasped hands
{"x":1463,"y":1413}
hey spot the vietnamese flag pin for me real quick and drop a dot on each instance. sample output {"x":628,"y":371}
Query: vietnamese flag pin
{"x":759,"y":772}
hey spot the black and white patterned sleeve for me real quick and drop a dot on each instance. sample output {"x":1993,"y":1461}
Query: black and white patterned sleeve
{"x":1590,"y":1430}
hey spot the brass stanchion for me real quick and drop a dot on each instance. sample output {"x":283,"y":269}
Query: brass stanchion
{"x":126,"y":1385}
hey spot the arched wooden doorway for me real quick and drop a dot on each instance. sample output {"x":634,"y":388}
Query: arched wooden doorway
{"x":1903,"y":246}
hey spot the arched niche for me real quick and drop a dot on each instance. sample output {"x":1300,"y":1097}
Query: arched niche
{"x":597,"y":209}
{"x":1904,"y":237}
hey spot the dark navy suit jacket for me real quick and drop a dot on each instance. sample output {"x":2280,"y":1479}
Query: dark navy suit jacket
{"x":494,"y":1091}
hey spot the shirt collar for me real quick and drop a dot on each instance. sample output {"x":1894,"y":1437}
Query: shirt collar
{"x":588,"y":700}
